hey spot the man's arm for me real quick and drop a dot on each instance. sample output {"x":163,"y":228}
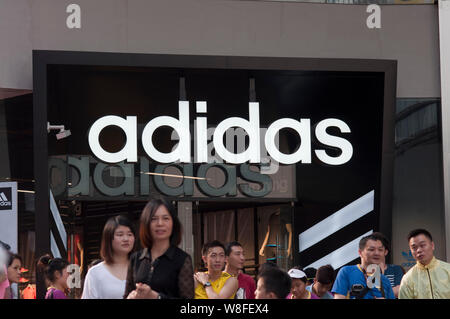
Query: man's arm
{"x":398,"y":275}
{"x":230,"y":287}
{"x":389,"y":292}
{"x":405,"y":291}
{"x":396,"y":290}
{"x":341,"y":285}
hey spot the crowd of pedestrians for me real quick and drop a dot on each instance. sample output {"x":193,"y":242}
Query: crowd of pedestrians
{"x":161,"y":270}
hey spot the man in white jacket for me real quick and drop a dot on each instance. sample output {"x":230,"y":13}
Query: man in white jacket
{"x":430,"y":277}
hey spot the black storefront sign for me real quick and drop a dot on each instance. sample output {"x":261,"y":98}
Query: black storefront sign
{"x":77,"y":89}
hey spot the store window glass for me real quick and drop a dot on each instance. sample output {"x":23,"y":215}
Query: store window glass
{"x":276,"y":235}
{"x":418,"y":177}
{"x":264,"y":231}
{"x":416,"y":120}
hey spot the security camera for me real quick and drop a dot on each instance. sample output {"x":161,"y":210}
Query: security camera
{"x":63,"y":133}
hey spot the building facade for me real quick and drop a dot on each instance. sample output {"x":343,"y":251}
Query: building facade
{"x":286,"y":36}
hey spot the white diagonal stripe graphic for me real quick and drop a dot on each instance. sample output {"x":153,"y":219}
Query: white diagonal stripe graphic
{"x":54,"y":247}
{"x":3,"y":197}
{"x":336,"y":221}
{"x":58,"y":220}
{"x":341,"y":256}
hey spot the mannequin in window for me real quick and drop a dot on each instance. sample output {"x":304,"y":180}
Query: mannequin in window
{"x":269,"y":246}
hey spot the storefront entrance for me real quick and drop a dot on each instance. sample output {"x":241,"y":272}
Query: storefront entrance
{"x":265,"y":231}
{"x":265,"y":151}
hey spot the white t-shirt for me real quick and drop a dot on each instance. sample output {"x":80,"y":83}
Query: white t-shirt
{"x":101,"y":284}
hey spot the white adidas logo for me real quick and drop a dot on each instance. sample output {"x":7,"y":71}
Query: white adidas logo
{"x":4,"y":200}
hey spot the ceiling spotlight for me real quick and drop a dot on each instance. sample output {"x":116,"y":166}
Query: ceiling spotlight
{"x":63,"y":133}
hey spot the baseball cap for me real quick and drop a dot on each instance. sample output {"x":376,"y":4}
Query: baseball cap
{"x":296,"y":273}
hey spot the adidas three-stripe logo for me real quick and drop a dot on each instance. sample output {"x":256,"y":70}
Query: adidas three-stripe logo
{"x":4,"y":200}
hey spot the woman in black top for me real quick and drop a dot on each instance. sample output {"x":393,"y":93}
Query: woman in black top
{"x":161,"y":270}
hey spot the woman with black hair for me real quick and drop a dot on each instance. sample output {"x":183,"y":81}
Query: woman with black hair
{"x":106,"y":280}
{"x":55,"y":271}
{"x":161,"y":270}
{"x":14,"y":266}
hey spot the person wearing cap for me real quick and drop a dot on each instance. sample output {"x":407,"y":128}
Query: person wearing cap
{"x":353,"y":281}
{"x":323,"y":282}
{"x":298,"y":287}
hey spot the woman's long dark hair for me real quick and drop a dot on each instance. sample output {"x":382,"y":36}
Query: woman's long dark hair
{"x":146,"y":218}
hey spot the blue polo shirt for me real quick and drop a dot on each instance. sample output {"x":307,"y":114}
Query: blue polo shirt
{"x":350,"y":275}
{"x":395,"y":274}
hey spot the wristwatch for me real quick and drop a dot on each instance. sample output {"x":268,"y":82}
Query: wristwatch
{"x":207,"y":284}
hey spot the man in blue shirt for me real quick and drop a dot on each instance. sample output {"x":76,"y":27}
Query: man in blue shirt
{"x":361,"y":281}
{"x":392,"y":272}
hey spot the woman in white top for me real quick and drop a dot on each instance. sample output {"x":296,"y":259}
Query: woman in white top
{"x":107,"y":279}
